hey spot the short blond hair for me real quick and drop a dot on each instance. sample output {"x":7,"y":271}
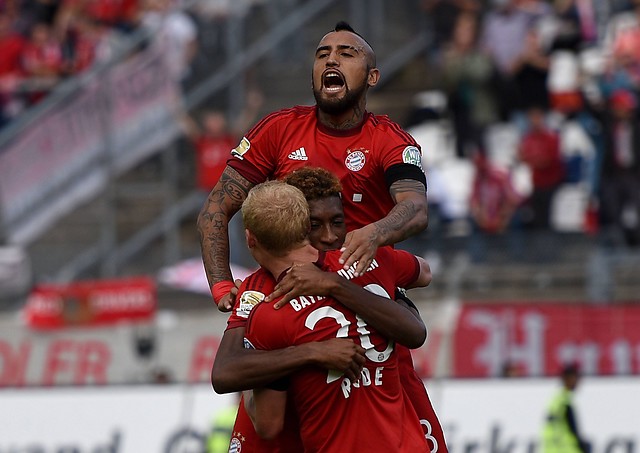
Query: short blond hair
{"x":278,"y":216}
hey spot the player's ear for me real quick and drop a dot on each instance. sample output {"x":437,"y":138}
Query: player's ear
{"x":250,"y":238}
{"x":373,"y":77}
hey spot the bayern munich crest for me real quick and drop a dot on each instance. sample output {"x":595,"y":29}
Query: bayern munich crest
{"x":235,"y":446}
{"x":355,"y":160}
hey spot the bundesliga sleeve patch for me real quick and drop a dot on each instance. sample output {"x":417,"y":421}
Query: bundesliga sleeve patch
{"x":242,"y":148}
{"x":248,"y":300}
{"x":411,"y":155}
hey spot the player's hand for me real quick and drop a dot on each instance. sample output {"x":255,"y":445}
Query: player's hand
{"x":226,"y":302}
{"x":340,"y":354}
{"x":300,"y":280}
{"x":361,"y":246}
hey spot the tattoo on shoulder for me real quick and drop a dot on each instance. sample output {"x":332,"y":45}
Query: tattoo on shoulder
{"x":234,"y":186}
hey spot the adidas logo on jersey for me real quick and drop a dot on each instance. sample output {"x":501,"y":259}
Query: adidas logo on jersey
{"x":299,"y":154}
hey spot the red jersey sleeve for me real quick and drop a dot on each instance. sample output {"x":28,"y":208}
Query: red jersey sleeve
{"x":269,"y":328}
{"x":252,"y":291}
{"x":258,"y":154}
{"x":396,"y":146}
{"x":405,"y":265}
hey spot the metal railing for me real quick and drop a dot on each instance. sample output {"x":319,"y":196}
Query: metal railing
{"x":108,"y":253}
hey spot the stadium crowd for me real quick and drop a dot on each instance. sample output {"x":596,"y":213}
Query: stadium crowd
{"x":44,"y":42}
{"x":542,"y":101}
{"x":554,"y":83}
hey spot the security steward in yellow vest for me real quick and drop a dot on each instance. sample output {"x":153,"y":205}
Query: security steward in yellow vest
{"x":560,"y":434}
{"x":220,"y":435}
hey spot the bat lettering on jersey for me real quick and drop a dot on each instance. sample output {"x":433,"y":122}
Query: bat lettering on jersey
{"x":304,"y":301}
{"x":367,"y":379}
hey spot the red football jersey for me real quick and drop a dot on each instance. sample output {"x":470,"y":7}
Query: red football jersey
{"x":335,"y":415}
{"x":414,"y":387}
{"x":292,"y":138}
{"x":245,"y":439}
{"x":252,"y":291}
{"x":261,"y":283}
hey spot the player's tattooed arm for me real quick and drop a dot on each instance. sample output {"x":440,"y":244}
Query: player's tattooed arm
{"x":223,"y":202}
{"x":409,"y":215}
{"x":407,"y":218}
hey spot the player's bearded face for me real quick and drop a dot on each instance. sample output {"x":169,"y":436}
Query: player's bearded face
{"x":335,"y":105}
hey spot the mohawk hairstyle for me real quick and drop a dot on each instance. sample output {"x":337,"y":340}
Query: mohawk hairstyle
{"x":345,"y":26}
{"x":315,"y":183}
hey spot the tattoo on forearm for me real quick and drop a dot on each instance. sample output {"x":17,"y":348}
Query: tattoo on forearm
{"x":223,"y":202}
{"x":398,"y":224}
{"x":397,"y":219}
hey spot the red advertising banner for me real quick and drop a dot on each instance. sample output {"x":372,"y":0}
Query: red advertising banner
{"x":536,"y":339}
{"x":92,"y":303}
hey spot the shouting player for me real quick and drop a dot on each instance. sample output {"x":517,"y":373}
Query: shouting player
{"x":379,"y":164}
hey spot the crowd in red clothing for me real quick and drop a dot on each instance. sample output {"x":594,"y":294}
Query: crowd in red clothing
{"x":44,"y":41}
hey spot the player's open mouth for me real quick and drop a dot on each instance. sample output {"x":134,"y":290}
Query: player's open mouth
{"x":332,"y":81}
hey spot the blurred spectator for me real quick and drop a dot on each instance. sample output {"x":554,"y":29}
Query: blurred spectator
{"x":510,"y":370}
{"x":174,"y":33}
{"x":118,"y":14}
{"x":537,"y":10}
{"x":504,"y":35}
{"x":530,"y":70}
{"x":219,"y":19}
{"x":469,"y":79}
{"x":620,"y":23}
{"x":580,"y":138}
{"x":492,"y":205}
{"x":540,"y":150}
{"x":87,"y":42}
{"x":576,"y":25}
{"x":622,"y":69}
{"x":161,"y":375}
{"x":442,"y":17}
{"x":213,"y":139}
{"x":12,"y":44}
{"x":620,"y":174}
{"x":213,"y":143}
{"x":42,"y":61}
{"x":37,"y":11}
{"x":564,"y":82}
